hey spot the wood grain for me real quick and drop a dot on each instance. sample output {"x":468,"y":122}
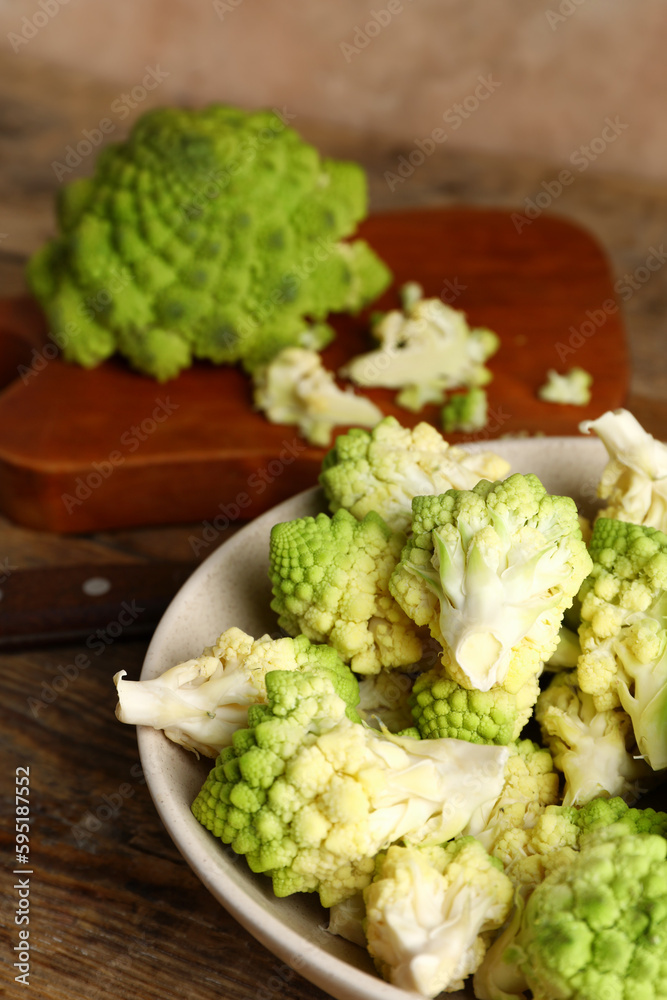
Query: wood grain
{"x":114,"y":910}
{"x":213,"y":455}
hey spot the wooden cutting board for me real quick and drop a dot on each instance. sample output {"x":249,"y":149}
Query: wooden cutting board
{"x":85,"y":450}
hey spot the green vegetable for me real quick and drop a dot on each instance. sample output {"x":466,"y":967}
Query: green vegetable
{"x":310,"y":797}
{"x":634,"y":481}
{"x":442,"y":708}
{"x":623,"y":631}
{"x":571,"y":389}
{"x":597,"y":928}
{"x":384,"y":469}
{"x":330,"y":579}
{"x":595,"y":750}
{"x":296,"y":388}
{"x":430,"y":913}
{"x":424,"y":350}
{"x":531,"y":786}
{"x":491,"y":571}
{"x":202,"y":702}
{"x":465,"y":411}
{"x":225,"y":229}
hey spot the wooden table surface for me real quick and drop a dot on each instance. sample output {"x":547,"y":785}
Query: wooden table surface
{"x":114,"y":910}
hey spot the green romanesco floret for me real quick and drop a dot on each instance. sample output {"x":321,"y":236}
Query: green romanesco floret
{"x":623,"y":631}
{"x":595,"y":750}
{"x":202,"y":702}
{"x":494,"y":716}
{"x":310,"y":797}
{"x":441,"y":707}
{"x":425,"y":349}
{"x":571,"y":389}
{"x":491,"y":571}
{"x":634,"y":481}
{"x":597,"y":927}
{"x":557,"y":835}
{"x":552,"y":846}
{"x":296,"y":388}
{"x":330,"y":578}
{"x":182,"y":246}
{"x":431,"y":913}
{"x":382,"y":470}
{"x":466,"y":412}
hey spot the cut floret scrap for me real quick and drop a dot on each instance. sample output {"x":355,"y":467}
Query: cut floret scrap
{"x":296,"y":388}
{"x":425,"y":349}
{"x":465,"y":412}
{"x":570,"y":389}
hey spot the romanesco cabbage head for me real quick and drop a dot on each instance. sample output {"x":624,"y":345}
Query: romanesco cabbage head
{"x":310,"y":797}
{"x":212,"y":233}
{"x":330,"y":579}
{"x":202,"y":702}
{"x":491,"y":571}
{"x":382,"y":470}
{"x":430,"y":913}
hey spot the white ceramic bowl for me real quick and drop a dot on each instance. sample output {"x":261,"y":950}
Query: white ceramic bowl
{"x":231,"y":588}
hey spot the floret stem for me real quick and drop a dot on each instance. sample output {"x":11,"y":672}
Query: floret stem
{"x":487,"y":608}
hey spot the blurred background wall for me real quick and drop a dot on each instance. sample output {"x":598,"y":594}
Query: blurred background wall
{"x":399,"y":69}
